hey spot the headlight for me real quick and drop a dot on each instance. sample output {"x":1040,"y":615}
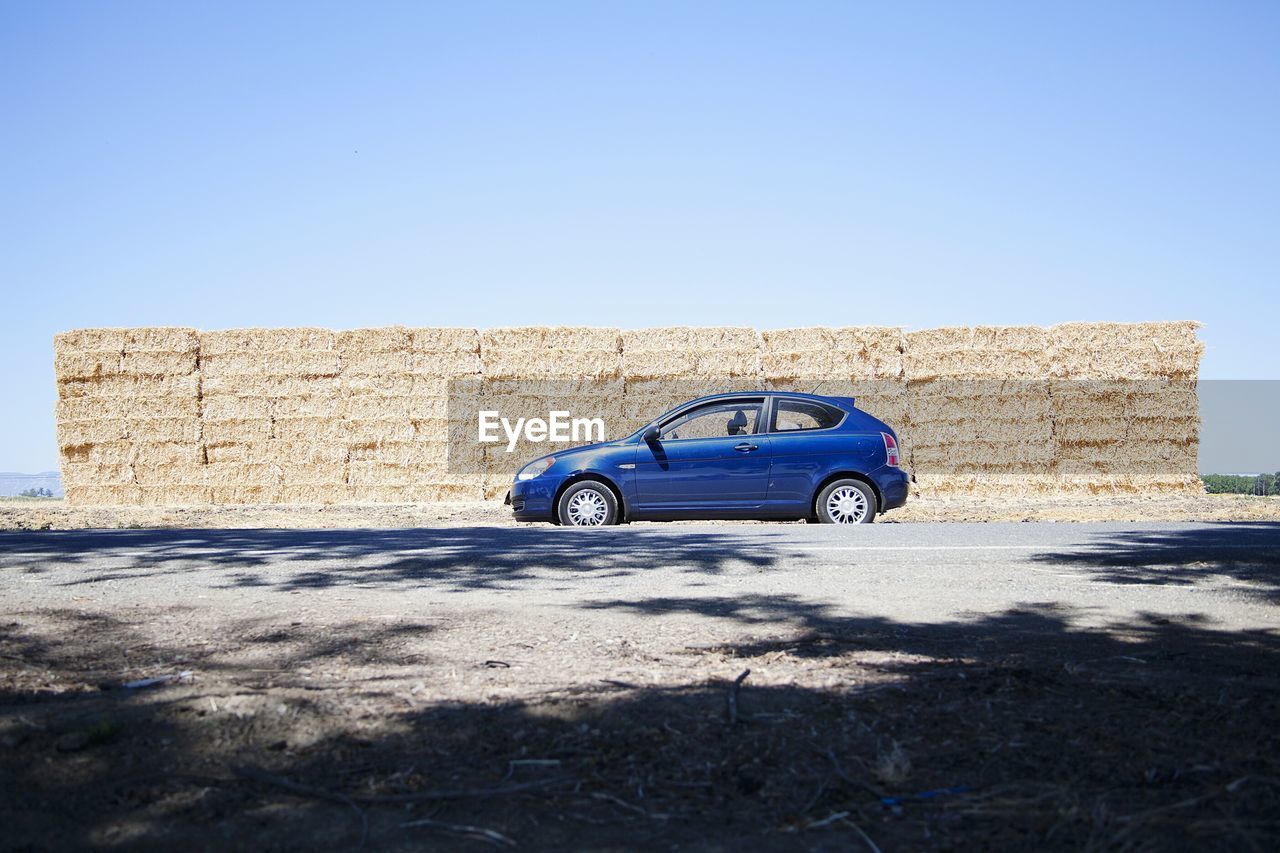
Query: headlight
{"x":533,"y":469}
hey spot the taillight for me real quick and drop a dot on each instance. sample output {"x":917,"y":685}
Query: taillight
{"x":890,"y":450}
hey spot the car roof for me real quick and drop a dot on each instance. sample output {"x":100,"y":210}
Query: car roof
{"x":734,"y":395}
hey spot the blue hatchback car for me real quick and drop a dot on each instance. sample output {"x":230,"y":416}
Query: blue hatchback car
{"x":753,"y":455}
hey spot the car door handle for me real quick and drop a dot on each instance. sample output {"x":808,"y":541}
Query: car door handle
{"x":745,"y":447}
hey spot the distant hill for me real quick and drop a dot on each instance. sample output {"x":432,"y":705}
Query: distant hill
{"x":13,"y":483}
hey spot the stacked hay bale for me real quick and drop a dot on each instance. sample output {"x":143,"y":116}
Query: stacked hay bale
{"x":664,"y":367}
{"x":175,"y":416}
{"x":978,"y":410}
{"x":531,"y":371}
{"x":1126,"y":416}
{"x":863,"y":362}
{"x":128,"y":416}
{"x":272,"y":411}
{"x":406,"y":392}
{"x":447,"y":390}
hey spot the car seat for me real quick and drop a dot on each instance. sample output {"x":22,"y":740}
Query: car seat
{"x":738,"y":423}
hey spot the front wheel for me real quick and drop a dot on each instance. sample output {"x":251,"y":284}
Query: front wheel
{"x":588,"y":504}
{"x":846,"y":502}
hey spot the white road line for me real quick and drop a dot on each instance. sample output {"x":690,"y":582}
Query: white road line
{"x":1154,"y":550}
{"x":926,"y":547}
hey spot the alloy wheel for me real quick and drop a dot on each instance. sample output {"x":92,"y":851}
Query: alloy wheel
{"x":588,"y":508}
{"x":847,"y":505}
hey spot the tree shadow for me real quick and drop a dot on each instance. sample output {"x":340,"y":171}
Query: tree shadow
{"x":1247,"y":554}
{"x":460,"y":558}
{"x":1034,"y":727}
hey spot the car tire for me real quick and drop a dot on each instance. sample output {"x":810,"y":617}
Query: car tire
{"x":846,"y":502}
{"x":588,"y":503}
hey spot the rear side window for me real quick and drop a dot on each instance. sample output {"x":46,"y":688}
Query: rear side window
{"x":798,"y":415}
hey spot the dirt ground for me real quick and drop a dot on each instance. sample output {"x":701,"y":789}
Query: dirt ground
{"x":47,"y":514}
{"x":1013,"y":731}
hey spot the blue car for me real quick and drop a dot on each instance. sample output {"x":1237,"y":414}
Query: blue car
{"x":755,"y":455}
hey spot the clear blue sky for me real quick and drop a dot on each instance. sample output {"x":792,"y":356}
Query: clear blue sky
{"x":773,"y":164}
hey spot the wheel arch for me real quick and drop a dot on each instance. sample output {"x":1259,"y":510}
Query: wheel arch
{"x":590,"y":475}
{"x":844,"y":475}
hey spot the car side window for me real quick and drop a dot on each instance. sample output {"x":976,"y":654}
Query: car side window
{"x":715,"y":420}
{"x":798,"y":415}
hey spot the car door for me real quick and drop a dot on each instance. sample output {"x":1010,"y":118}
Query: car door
{"x":709,"y":456}
{"x":806,"y":444}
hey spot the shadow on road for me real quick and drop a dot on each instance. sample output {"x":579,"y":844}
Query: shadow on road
{"x":1248,"y":553}
{"x":478,"y":558}
{"x":457,"y":558}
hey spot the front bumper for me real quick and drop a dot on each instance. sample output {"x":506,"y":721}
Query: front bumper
{"x":533,"y":500}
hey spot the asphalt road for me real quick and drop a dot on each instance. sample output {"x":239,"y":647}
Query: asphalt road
{"x":1225,"y":575}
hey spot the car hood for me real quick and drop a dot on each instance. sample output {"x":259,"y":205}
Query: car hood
{"x":580,"y":450}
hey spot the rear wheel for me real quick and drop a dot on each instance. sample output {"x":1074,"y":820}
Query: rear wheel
{"x":588,"y":504}
{"x":846,"y":502}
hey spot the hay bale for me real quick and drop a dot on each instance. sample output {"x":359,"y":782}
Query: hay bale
{"x":312,"y":429}
{"x":815,"y":354}
{"x":158,"y":364}
{"x":252,"y":415}
{"x":985,"y":484}
{"x":1183,"y":429}
{"x":233,"y":430}
{"x":171,"y":494}
{"x":223,"y":406}
{"x":160,"y":352}
{"x":275,"y":450}
{"x":932,"y":402}
{"x":1101,"y":336}
{"x":443,"y":339}
{"x":236,"y":474}
{"x":72,"y":366}
{"x":445,"y":353}
{"x":400,"y":452}
{"x":553,"y":338}
{"x":536,"y":352}
{"x":451,"y":493}
{"x":233,"y":341}
{"x":377,"y":430}
{"x":382,"y":364}
{"x":115,"y":388}
{"x":981,"y":353}
{"x":1125,"y":351}
{"x":689,"y":353}
{"x":96,"y":494}
{"x":1086,"y":431}
{"x":313,"y":472}
{"x":317,"y":494}
{"x":82,"y":340}
{"x":91,"y":408}
{"x":978,"y":429}
{"x":325,"y":405}
{"x":305,"y":364}
{"x":244,"y":494}
{"x":383,"y":339}
{"x":543,"y":364}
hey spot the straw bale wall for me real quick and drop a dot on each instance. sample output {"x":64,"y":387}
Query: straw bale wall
{"x":179,"y":416}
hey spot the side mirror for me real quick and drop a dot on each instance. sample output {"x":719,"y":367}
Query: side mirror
{"x":651,"y":435}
